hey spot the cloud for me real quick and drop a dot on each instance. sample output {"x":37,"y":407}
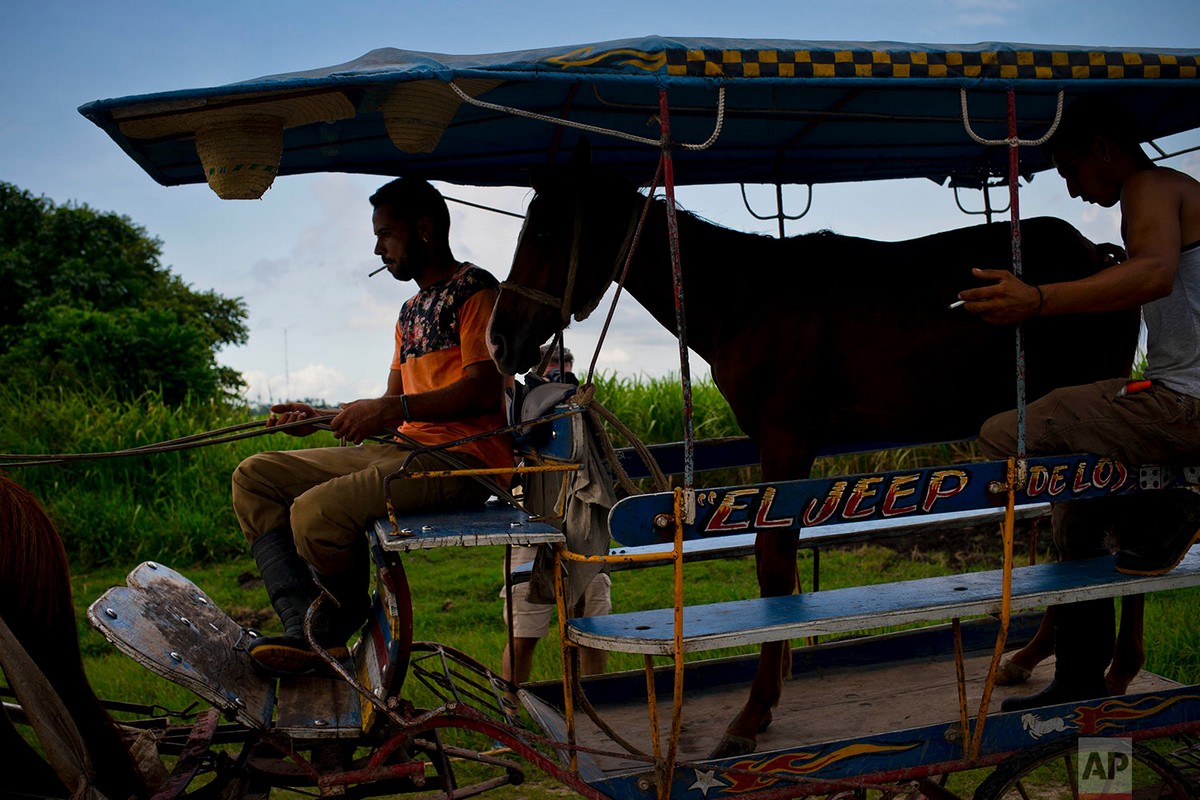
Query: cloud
{"x":1100,"y":224}
{"x":265,"y":271}
{"x":313,"y":381}
{"x":983,"y":13}
{"x":1191,"y":164}
{"x":486,"y":238}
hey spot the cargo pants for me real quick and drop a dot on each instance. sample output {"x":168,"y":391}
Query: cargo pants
{"x":328,"y":496}
{"x":1153,"y":426}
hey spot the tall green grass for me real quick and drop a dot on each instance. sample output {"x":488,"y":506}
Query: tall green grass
{"x":653,"y":407}
{"x":125,"y":510}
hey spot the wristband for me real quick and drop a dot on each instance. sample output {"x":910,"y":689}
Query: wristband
{"x":404,"y":408}
{"x":1041,"y":301}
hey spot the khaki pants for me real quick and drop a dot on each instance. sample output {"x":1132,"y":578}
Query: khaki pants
{"x":1154,"y":426}
{"x":328,"y":496}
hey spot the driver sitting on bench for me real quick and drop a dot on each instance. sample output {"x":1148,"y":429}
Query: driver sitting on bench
{"x":309,"y":508}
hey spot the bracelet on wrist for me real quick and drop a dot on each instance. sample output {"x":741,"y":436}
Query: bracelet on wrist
{"x":1041,"y":300}
{"x":404,"y":412}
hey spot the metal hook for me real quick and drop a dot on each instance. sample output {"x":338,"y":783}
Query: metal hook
{"x":779,"y":214}
{"x":987,"y":202}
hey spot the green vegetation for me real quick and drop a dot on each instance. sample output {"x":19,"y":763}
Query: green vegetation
{"x":173,"y":507}
{"x":85,"y":303}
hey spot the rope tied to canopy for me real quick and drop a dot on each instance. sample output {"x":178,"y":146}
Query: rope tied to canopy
{"x":1011,"y":141}
{"x":583,"y":126}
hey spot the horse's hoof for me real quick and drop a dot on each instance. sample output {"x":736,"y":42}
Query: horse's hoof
{"x":732,"y":746}
{"x":1118,"y":684}
{"x":1011,"y":674}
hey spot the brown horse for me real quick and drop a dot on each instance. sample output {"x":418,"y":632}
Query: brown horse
{"x":35,"y":603}
{"x":814,"y":340}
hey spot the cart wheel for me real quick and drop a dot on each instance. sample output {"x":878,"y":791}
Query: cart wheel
{"x":1052,"y":772}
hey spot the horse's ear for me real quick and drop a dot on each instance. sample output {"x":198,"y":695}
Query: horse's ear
{"x":538,"y":178}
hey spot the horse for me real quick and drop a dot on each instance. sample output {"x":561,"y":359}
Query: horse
{"x":814,"y":340}
{"x":35,"y":604}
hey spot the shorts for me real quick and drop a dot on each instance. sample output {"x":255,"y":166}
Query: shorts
{"x":532,"y":620}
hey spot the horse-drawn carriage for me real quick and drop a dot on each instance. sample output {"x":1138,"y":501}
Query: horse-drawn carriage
{"x":871,"y":715}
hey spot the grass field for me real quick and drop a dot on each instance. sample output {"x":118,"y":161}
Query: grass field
{"x":455,"y":598}
{"x":175,"y":509}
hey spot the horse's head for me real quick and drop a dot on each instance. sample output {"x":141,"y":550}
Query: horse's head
{"x":575,"y":233}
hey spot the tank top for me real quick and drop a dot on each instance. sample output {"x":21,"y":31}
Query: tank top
{"x":1173,"y":329}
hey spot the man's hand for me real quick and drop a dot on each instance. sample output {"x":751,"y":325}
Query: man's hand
{"x":1006,"y":301}
{"x":293,"y":412}
{"x":362,"y":418}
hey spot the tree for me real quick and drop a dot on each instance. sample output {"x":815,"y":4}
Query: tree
{"x":84,"y":301}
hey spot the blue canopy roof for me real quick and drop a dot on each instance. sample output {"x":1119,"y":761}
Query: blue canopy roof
{"x":794,"y":111}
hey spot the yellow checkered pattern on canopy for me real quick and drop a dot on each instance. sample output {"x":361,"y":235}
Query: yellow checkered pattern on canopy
{"x":1006,"y":64}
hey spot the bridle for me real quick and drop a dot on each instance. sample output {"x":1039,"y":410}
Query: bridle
{"x":563,"y":304}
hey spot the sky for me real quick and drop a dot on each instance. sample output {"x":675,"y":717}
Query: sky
{"x":299,"y":258}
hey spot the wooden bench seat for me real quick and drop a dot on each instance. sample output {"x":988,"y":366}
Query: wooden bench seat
{"x":745,"y":622}
{"x":496,"y":523}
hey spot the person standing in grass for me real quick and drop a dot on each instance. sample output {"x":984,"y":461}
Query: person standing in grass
{"x":305,"y":511}
{"x":529,"y":621}
{"x":1155,"y":421}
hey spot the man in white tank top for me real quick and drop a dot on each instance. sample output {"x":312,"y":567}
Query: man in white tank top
{"x":1156,"y":421}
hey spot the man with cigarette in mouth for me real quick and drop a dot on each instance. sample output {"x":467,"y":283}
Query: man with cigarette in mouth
{"x":304,"y":511}
{"x":1152,"y":421}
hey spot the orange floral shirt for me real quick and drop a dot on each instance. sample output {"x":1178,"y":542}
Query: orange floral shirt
{"x":440,"y":332}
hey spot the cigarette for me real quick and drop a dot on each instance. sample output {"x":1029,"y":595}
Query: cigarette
{"x":376,"y":272}
{"x":958,"y":303}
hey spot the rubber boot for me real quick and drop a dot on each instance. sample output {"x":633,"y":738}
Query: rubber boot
{"x":291,"y":589}
{"x":1084,"y":635}
{"x":291,"y":586}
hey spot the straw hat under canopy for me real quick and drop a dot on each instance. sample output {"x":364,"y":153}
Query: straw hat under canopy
{"x":239,"y":138}
{"x":416,"y":113}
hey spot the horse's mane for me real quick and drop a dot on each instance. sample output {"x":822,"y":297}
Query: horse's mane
{"x":685,"y":213}
{"x":35,"y":597}
{"x":36,"y":604}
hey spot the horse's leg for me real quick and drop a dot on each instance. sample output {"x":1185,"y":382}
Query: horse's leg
{"x":35,"y":597}
{"x":1128,"y":655}
{"x":1016,"y":668}
{"x":775,"y":560}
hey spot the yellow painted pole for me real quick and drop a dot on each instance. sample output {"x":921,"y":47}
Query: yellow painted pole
{"x":664,"y":786}
{"x":568,"y":672}
{"x":1005,"y":606}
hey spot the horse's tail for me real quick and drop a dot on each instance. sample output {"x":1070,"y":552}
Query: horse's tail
{"x":35,"y":601}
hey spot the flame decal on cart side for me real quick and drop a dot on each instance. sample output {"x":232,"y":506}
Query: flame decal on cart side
{"x":1113,"y":713}
{"x":800,"y":764}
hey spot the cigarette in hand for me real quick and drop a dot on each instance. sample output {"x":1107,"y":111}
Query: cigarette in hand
{"x":958,"y":303}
